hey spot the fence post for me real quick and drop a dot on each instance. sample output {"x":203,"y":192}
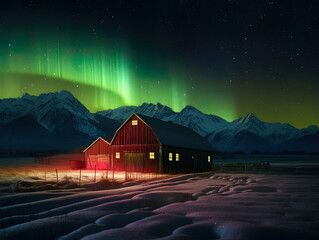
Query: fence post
{"x":95,"y":173}
{"x":45,"y":177}
{"x":80,"y":177}
{"x":57,"y":177}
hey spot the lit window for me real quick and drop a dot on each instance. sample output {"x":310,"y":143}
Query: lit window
{"x":170,"y":156}
{"x":152,"y":155}
{"x":177,"y":157}
{"x":208,"y":158}
{"x":117,"y":155}
{"x":134,"y":122}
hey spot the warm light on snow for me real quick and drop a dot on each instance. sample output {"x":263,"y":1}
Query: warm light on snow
{"x":192,"y":206}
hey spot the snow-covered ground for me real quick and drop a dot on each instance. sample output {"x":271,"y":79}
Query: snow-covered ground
{"x":193,"y":206}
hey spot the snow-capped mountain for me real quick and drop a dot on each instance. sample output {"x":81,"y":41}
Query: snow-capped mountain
{"x":60,"y":121}
{"x":277,"y":131}
{"x":51,"y":111}
{"x":243,"y":134}
{"x":201,"y":123}
{"x":250,"y":134}
{"x":148,"y":109}
{"x":189,"y":116}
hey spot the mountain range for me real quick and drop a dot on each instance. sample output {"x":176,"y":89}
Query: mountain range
{"x":58,"y":121}
{"x":53,"y":121}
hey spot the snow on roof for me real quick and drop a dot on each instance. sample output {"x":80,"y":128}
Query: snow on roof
{"x":170,"y":134}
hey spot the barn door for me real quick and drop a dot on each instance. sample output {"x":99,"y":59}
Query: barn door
{"x":134,"y":162}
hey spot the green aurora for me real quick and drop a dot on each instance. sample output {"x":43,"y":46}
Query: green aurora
{"x":110,"y":54}
{"x":104,"y":76}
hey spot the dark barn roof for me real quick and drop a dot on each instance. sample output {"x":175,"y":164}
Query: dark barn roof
{"x":170,"y":134}
{"x":108,"y":140}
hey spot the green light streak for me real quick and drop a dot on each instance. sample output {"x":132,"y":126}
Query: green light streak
{"x":101,"y":76}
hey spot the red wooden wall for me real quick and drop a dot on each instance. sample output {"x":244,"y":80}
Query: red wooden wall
{"x":138,"y":134}
{"x":136,"y":139}
{"x":133,"y":144}
{"x":98,"y":154}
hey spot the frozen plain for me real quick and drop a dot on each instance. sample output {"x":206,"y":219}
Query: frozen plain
{"x":192,"y":206}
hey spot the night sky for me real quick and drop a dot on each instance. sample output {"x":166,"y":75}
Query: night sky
{"x":227,"y":58}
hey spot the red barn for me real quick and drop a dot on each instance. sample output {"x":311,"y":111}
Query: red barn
{"x":145,"y":144}
{"x":98,"y":154}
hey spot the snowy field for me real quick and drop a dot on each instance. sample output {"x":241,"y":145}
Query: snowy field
{"x":193,"y":206}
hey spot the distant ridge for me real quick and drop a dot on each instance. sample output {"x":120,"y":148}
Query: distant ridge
{"x":58,"y":120}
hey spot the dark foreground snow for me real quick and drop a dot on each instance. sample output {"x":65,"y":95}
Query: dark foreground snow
{"x":194,"y":206}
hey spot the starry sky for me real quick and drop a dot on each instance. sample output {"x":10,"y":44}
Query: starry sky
{"x":224,"y":57}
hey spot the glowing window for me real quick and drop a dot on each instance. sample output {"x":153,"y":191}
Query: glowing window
{"x":177,"y":157}
{"x":152,"y":155}
{"x":170,"y":156}
{"x":134,"y":122}
{"x":117,"y":155}
{"x":208,"y":159}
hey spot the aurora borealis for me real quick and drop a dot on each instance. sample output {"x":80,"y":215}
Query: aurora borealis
{"x":227,"y":58}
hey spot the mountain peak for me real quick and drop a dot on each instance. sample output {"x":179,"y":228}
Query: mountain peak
{"x":159,"y":105}
{"x":65,"y":93}
{"x":251,"y":120}
{"x":312,"y":129}
{"x":190,"y":108}
{"x":250,"y":117}
{"x":153,"y":108}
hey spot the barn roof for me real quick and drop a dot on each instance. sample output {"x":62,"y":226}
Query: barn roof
{"x":106,"y":140}
{"x":170,"y":134}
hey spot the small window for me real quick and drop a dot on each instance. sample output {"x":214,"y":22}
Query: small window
{"x":177,"y":157}
{"x":170,"y":156}
{"x":208,"y":159}
{"x":134,"y":122}
{"x":152,"y":155}
{"x":117,"y":155}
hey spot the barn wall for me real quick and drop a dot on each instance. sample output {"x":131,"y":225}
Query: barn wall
{"x":130,"y":151}
{"x":99,"y":154}
{"x":189,"y":160}
{"x":134,"y":144}
{"x":136,"y":158}
{"x":138,"y":134}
